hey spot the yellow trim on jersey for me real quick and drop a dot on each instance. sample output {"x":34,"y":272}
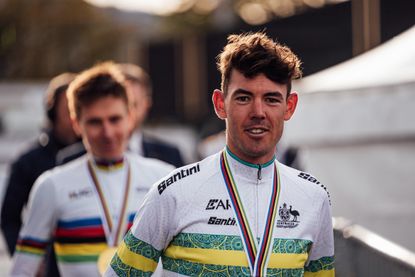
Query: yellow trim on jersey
{"x":80,"y":249}
{"x":232,"y":257}
{"x":135,"y":260}
{"x":30,"y":250}
{"x":287,"y":260}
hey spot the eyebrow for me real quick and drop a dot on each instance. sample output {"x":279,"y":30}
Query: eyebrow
{"x":242,"y":91}
{"x":247,"y":92}
{"x":93,"y":120}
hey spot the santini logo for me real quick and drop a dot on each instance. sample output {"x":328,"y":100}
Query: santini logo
{"x":179,"y":175}
{"x":310,"y":178}
{"x":213,"y":220}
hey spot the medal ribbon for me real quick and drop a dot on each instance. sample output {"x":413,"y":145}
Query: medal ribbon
{"x":257,"y":258}
{"x":113,"y":237}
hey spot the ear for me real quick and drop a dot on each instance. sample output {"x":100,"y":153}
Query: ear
{"x":218,"y":99}
{"x":131,"y":119}
{"x":149,"y":103}
{"x":76,"y":127}
{"x":291,"y":105}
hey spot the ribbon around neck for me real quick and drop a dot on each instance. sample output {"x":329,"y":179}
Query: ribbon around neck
{"x":258,"y":255}
{"x":113,"y":232}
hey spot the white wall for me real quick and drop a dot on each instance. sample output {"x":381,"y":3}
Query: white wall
{"x":361,"y":144}
{"x":354,"y":115}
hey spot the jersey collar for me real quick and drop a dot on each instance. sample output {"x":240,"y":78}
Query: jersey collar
{"x":108,"y":165}
{"x":249,"y":171}
{"x":257,"y":166}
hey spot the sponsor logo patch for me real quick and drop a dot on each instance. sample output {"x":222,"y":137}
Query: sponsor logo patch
{"x":76,"y":194}
{"x":215,"y":204}
{"x":311,"y":179}
{"x":213,"y":220}
{"x":177,"y":176}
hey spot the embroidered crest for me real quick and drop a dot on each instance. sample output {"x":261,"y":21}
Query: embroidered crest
{"x":288,"y":217}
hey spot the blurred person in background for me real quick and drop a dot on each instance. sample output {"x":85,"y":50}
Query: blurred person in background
{"x":240,"y":211}
{"x":44,"y":154}
{"x":87,"y":205}
{"x":139,"y":84}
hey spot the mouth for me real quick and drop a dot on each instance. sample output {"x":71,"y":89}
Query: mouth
{"x":256,"y":131}
{"x":108,"y":144}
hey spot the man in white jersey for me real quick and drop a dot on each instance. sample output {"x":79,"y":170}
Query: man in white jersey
{"x":87,"y":205}
{"x":239,"y":212}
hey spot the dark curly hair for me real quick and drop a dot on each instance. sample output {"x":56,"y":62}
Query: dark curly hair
{"x":255,"y":53}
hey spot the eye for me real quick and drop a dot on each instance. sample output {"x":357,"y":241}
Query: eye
{"x":273,"y":100}
{"x":242,"y":98}
{"x":115,"y":119}
{"x":93,"y":122}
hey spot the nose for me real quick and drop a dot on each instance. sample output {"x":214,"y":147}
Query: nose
{"x":258,"y":109}
{"x":107,"y":130}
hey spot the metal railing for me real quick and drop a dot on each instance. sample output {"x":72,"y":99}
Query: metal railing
{"x":360,"y":252}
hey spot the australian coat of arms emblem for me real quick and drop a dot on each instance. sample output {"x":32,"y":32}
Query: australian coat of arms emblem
{"x":288,"y":217}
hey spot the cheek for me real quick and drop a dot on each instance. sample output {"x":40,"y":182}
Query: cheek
{"x":124,"y":129}
{"x":91,"y":134}
{"x":236,"y":116}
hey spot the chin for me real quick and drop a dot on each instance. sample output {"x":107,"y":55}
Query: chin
{"x":110,"y":156}
{"x":257,"y":152}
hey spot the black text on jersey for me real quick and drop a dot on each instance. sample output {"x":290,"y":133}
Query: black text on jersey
{"x":177,"y":176}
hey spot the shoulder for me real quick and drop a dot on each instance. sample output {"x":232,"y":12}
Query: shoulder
{"x":149,"y":163}
{"x":307,"y":182}
{"x":161,"y":150}
{"x":32,"y":152}
{"x":68,"y":172}
{"x":189,"y":178}
{"x":53,"y":185}
{"x":151,"y":141}
{"x":70,"y":152}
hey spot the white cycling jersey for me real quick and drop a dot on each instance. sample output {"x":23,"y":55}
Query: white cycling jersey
{"x":65,"y":206}
{"x":189,"y":220}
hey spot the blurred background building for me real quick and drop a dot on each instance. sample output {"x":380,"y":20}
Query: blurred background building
{"x":41,"y":38}
{"x":342,"y":126}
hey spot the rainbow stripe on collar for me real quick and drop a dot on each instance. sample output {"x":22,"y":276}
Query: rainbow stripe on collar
{"x":108,"y":165}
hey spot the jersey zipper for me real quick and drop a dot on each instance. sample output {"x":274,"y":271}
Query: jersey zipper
{"x":259,"y":178}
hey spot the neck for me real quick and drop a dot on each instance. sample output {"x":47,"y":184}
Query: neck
{"x":256,"y":163}
{"x":109,"y":163}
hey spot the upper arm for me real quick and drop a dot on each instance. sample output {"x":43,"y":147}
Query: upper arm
{"x":321,"y":258}
{"x":37,"y":228}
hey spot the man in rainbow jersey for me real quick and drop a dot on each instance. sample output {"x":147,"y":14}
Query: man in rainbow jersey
{"x":239,"y":212}
{"x":87,"y":205}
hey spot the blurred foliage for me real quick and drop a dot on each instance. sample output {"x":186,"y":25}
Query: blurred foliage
{"x":42,"y":38}
{"x":193,"y":16}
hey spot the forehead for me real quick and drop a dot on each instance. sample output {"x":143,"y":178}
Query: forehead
{"x":62,"y":100}
{"x":104,"y":107}
{"x":257,"y":84}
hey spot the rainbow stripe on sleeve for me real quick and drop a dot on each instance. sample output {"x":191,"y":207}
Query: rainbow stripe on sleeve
{"x":81,"y":240}
{"x":30,"y":245}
